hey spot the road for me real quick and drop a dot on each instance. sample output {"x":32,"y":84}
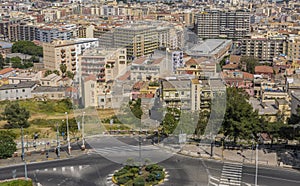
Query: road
{"x":92,"y":169}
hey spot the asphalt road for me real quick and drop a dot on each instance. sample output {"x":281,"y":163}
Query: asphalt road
{"x":93,"y":169}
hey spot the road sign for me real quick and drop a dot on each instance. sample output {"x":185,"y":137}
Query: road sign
{"x":62,"y":133}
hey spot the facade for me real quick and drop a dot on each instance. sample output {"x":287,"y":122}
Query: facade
{"x":143,"y":69}
{"x":294,"y":51}
{"x":23,"y":90}
{"x":104,"y":63}
{"x":49,"y":92}
{"x":65,"y":52}
{"x":143,"y":38}
{"x":223,"y":23}
{"x":89,"y":96}
{"x":264,"y":48}
{"x":176,"y":92}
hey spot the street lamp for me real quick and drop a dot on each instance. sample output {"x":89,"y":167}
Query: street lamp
{"x":83,"y":140}
{"x":23,"y":154}
{"x":58,"y":142}
{"x":68,"y":136}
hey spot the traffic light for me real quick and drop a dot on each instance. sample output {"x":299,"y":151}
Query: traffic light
{"x":47,"y":155}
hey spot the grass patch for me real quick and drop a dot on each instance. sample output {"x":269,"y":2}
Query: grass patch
{"x":129,"y":175}
{"x":17,"y":183}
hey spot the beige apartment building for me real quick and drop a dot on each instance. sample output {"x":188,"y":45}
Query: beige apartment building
{"x":104,"y":63}
{"x":264,"y":48}
{"x":294,"y":50}
{"x":65,"y":52}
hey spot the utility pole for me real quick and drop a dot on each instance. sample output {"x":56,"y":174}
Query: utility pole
{"x":83,"y":140}
{"x":57,"y":140}
{"x":68,"y":136}
{"x":23,"y":154}
{"x":256,"y":164}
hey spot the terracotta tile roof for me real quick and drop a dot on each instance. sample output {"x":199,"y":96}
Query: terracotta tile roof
{"x":263,"y":69}
{"x":157,"y":61}
{"x":125,"y":76}
{"x":248,"y":75}
{"x":138,"y":85}
{"x":191,"y":61}
{"x":231,"y":66}
{"x":139,"y":60}
{"x":6,"y":70}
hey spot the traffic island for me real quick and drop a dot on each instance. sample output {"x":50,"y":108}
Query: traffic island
{"x":146,"y":175}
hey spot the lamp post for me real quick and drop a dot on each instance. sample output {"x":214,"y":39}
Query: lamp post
{"x":23,"y":154}
{"x":68,"y":136}
{"x":256,"y":164}
{"x":57,"y":140}
{"x":83,"y":140}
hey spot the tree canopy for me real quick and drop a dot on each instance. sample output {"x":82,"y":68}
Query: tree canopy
{"x":15,"y":115}
{"x":250,"y":63}
{"x":7,"y":144}
{"x":241,"y":121}
{"x":27,"y":47}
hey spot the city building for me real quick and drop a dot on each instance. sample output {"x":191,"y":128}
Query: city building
{"x":214,"y":49}
{"x":104,"y":63}
{"x":22,"y":90}
{"x":66,"y":52}
{"x":231,"y":24}
{"x":264,"y":48}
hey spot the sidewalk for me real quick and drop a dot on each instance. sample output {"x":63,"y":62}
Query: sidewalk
{"x":247,"y":156}
{"x":39,"y":156}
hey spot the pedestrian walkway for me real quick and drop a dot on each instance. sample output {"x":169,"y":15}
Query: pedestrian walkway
{"x":120,"y":149}
{"x":231,"y":174}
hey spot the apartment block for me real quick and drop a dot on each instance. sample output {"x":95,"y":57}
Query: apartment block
{"x":65,"y":52}
{"x":264,"y":48}
{"x":294,"y":50}
{"x":223,"y":23}
{"x":143,"y":38}
{"x":104,"y":63}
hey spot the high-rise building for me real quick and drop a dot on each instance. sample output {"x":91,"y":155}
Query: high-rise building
{"x":264,"y":48}
{"x":223,"y":23}
{"x":294,"y":50}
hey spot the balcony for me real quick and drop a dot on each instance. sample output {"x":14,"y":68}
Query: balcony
{"x":63,"y":61}
{"x":73,"y":68}
{"x":73,"y":63}
{"x":62,"y":51}
{"x":63,"y":55}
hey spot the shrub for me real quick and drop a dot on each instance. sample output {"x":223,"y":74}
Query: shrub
{"x":139,"y":181}
{"x":153,"y":167}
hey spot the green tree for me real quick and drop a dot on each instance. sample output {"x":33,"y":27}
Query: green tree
{"x":27,"y":47}
{"x":56,"y":72}
{"x":250,"y":62}
{"x":202,"y":122}
{"x":136,"y":109}
{"x":7,"y":144}
{"x":16,"y":62}
{"x":48,"y":72}
{"x":63,"y":69}
{"x":240,"y":121}
{"x":70,"y":74}
{"x":15,"y":115}
{"x":73,"y":127}
{"x":273,"y":129}
{"x":170,"y":121}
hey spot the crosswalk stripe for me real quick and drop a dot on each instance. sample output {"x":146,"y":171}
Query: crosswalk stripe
{"x":231,"y":174}
{"x":126,"y":148}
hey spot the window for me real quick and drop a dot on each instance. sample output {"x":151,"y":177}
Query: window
{"x":92,"y":85}
{"x":23,"y":90}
